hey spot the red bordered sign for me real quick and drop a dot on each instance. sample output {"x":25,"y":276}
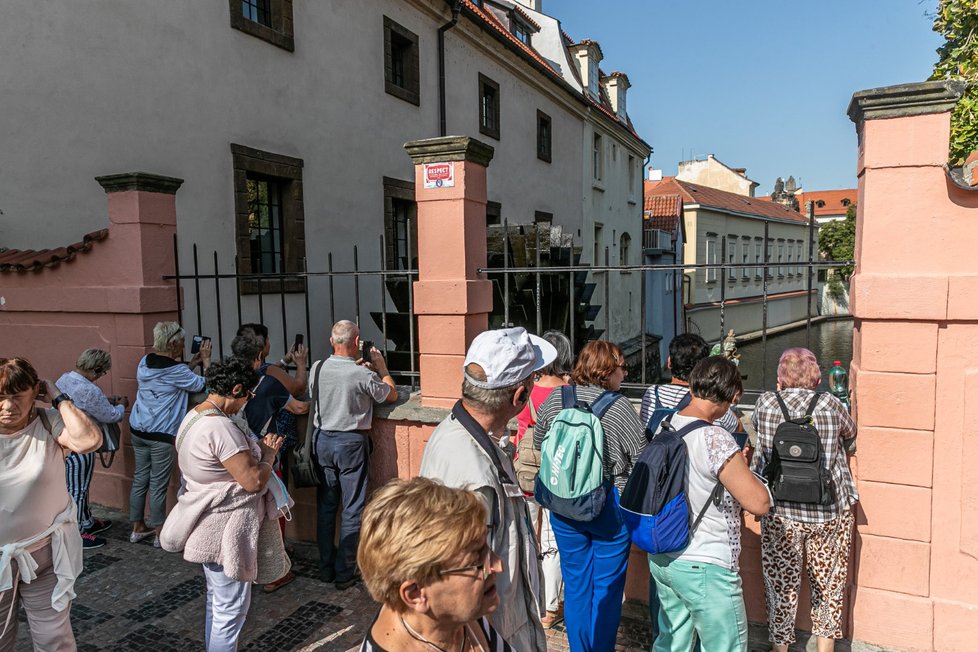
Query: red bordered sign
{"x":439,"y":175}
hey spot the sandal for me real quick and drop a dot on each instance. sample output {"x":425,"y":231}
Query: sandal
{"x":550,"y":619}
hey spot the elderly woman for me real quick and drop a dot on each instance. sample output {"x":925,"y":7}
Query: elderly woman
{"x":699,"y":587}
{"x":164,"y":383}
{"x":89,"y":398}
{"x":41,"y":550}
{"x":554,"y":375}
{"x":594,"y":554}
{"x":225,"y":506}
{"x":424,"y":556}
{"x":794,"y":531}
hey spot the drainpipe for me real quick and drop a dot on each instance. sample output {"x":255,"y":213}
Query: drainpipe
{"x":442,"y":110}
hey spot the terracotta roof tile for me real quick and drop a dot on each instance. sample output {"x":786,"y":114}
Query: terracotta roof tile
{"x":28,"y":260}
{"x":526,"y":17}
{"x":663,"y":212}
{"x":832,"y":198}
{"x":696,"y":194}
{"x":502,"y":29}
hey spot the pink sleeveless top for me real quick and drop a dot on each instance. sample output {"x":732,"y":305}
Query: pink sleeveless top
{"x":32,"y":480}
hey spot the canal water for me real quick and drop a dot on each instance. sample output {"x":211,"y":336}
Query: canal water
{"x":830,"y":340}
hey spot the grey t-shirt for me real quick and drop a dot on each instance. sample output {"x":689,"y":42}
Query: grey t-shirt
{"x":347,"y":394}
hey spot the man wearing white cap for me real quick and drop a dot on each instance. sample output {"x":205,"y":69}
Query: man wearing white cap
{"x":466,"y":450}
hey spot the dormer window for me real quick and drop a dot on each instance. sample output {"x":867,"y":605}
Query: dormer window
{"x":820,"y":203}
{"x":846,"y":201}
{"x":587,"y":56}
{"x":592,"y":77}
{"x":521,"y":31}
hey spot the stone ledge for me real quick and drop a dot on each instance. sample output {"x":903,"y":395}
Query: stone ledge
{"x":408,"y":408}
{"x":140,"y":181}
{"x":450,"y":148}
{"x":905,"y":100}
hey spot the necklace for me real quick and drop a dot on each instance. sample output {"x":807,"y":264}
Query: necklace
{"x":207,"y":400}
{"x":418,"y":637}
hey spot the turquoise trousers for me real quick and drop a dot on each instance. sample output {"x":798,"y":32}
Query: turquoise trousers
{"x":698,"y":600}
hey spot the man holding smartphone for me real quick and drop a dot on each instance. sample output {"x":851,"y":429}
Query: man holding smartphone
{"x":348,"y":385}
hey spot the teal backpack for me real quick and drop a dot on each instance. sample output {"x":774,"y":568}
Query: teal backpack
{"x":571,"y":480}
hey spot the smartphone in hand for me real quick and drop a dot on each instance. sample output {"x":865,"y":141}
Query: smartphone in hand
{"x":298,"y":341}
{"x":365,"y":347}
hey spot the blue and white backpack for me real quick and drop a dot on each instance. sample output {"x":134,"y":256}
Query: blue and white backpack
{"x":654,"y":504}
{"x":571,"y":480}
{"x":660,"y":411}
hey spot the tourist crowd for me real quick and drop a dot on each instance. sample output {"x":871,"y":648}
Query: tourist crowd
{"x":504,"y":534}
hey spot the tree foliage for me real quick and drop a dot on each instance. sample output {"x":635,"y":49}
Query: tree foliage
{"x":837,"y":241}
{"x":957,"y":22}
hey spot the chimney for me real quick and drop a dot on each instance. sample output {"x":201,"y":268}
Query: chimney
{"x":587,"y":55}
{"x":616,"y":85}
{"x":655,"y":175}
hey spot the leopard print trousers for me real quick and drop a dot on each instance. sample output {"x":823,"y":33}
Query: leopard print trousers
{"x":785,"y":543}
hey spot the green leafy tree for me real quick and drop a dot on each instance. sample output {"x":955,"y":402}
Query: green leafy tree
{"x":957,"y":22}
{"x":837,"y":241}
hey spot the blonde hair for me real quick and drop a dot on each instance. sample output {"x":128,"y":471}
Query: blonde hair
{"x":95,"y":360}
{"x":410,"y":530}
{"x":165,"y":333}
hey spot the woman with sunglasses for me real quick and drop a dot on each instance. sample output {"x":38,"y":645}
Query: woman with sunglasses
{"x":225,"y":503}
{"x":425,"y":557}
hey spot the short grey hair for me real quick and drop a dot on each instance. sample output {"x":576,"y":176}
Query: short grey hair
{"x":165,"y":333}
{"x":94,"y":360}
{"x":487,"y":400}
{"x":344,"y":332}
{"x":247,"y":346}
{"x":563,"y":364}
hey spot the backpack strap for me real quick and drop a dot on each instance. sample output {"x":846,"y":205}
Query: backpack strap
{"x":183,"y":433}
{"x":45,"y":421}
{"x":314,"y":395}
{"x":715,"y":497}
{"x":684,"y":401}
{"x":685,"y":430}
{"x":533,"y":410}
{"x":568,"y":396}
{"x":655,"y":394}
{"x":811,"y":406}
{"x":784,"y":408}
{"x":603,"y":403}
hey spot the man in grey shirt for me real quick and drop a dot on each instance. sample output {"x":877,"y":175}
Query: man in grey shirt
{"x":348,"y":388}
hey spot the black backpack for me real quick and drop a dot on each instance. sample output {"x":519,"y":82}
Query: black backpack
{"x":796,"y":472}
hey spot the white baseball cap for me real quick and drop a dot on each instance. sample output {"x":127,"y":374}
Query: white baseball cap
{"x":507,"y":355}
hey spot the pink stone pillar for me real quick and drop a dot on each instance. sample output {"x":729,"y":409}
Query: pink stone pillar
{"x":452,"y":300}
{"x":913,"y":299}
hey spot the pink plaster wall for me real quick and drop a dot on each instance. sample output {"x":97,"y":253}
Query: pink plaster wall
{"x":108,"y":298}
{"x":915,"y":378}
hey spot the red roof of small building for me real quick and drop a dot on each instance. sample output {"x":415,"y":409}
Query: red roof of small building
{"x":28,"y":260}
{"x":663,"y":212}
{"x":833,"y":200}
{"x":693,"y":193}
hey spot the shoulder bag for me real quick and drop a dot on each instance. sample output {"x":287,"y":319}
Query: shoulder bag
{"x":303,"y":471}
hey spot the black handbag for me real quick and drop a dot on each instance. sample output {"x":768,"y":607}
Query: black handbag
{"x":111,"y":438}
{"x":303,"y":471}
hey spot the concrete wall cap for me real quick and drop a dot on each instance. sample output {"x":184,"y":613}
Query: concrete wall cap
{"x":408,"y":408}
{"x":905,"y":100}
{"x":450,"y":148}
{"x":143,"y":181}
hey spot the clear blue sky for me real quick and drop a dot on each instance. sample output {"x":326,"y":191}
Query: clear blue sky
{"x":761,"y":84}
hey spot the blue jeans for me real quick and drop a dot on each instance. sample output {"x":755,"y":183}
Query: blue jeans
{"x":593,"y":560}
{"x":342,"y":458}
{"x":154,"y":461}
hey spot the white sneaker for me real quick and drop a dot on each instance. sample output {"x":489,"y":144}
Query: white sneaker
{"x":136,"y":537}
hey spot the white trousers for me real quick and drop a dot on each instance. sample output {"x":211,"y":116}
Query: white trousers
{"x":227,"y":607}
{"x":553,"y":581}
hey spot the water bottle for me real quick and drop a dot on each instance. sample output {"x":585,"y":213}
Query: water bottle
{"x":839,"y":382}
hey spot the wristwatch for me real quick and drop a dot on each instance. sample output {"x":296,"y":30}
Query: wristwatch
{"x":60,"y":398}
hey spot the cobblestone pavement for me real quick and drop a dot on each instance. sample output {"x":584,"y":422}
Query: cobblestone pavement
{"x":136,"y":597}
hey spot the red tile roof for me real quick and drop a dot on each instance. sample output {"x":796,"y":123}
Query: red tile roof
{"x":832,"y":198}
{"x":663,"y":212}
{"x":27,"y":260}
{"x":526,"y":17}
{"x":711,"y":197}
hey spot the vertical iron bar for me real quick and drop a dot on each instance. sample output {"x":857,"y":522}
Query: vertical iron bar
{"x":285,"y":326}
{"x":607,"y":295}
{"x":642,"y":324}
{"x":506,"y":273}
{"x":723,"y":289}
{"x":237,"y":285}
{"x":538,"y":302}
{"x":261,"y":300}
{"x":810,"y":207}
{"x":176,"y":272}
{"x":572,"y":309}
{"x":410,"y":281}
{"x":356,"y":284}
{"x":305,"y":300}
{"x":217,"y":295}
{"x":383,"y":293}
{"x":332,"y":303}
{"x":197,"y":290}
{"x":764,"y":311}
